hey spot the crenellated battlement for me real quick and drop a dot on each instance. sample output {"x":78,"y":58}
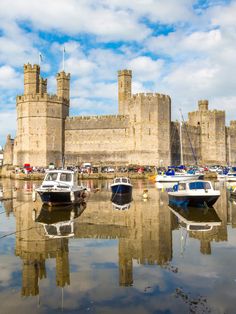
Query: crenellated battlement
{"x":63,"y":75}
{"x":40,"y":97}
{"x":233,"y":124}
{"x":125,"y":72}
{"x":100,"y":118}
{"x":97,"y":122}
{"x":150,"y":96}
{"x":30,"y":67}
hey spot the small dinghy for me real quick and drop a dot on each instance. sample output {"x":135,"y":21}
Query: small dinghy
{"x":193,"y":193}
{"x":121,"y":185}
{"x":60,"y":187}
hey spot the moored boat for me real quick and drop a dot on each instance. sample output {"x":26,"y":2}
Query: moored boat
{"x":60,"y":187}
{"x":121,"y":185}
{"x":173,"y":176}
{"x":193,"y":193}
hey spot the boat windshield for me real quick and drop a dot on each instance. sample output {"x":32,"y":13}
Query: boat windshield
{"x":66,"y":177}
{"x":51,"y":176}
{"x":199,"y":185}
{"x":182,"y":186}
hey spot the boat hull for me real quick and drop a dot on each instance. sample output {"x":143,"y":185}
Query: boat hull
{"x":193,"y":201}
{"x":176,"y":178}
{"x":55,"y":198}
{"x":121,"y":189}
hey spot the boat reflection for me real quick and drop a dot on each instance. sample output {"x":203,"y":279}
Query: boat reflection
{"x":121,"y":201}
{"x":58,"y":222}
{"x":196,"y":219}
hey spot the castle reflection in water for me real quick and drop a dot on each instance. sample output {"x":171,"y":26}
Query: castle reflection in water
{"x":144,"y":231}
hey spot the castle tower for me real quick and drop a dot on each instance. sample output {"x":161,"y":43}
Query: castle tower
{"x":41,"y":120}
{"x":42,"y":85}
{"x":203,"y":105}
{"x":212,"y":133}
{"x":8,"y":151}
{"x":63,"y":85}
{"x":31,"y":79}
{"x":124,"y":90}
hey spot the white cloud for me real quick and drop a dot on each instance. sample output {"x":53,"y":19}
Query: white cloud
{"x":145,"y":68}
{"x":9,"y":78}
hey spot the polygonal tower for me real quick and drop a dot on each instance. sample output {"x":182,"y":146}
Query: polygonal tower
{"x":41,"y":120}
{"x":124,"y":90}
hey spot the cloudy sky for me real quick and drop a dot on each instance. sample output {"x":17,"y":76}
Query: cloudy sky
{"x":184,"y":48}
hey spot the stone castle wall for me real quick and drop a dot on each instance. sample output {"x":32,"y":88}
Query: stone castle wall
{"x":142,"y":133}
{"x":97,"y":139}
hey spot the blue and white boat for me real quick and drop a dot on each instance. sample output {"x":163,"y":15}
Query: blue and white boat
{"x":193,"y":193}
{"x":121,"y":185}
{"x":172,"y":176}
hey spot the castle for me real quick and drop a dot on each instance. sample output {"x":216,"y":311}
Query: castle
{"x":142,"y":133}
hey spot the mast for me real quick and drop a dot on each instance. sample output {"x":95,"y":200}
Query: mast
{"x":194,"y":155}
{"x":181,"y":143}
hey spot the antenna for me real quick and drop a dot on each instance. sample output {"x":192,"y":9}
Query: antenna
{"x":63,"y":59}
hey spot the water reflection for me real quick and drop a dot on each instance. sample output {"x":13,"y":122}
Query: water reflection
{"x":144,"y":233}
{"x":121,"y":201}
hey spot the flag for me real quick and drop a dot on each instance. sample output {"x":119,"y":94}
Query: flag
{"x":40,"y":57}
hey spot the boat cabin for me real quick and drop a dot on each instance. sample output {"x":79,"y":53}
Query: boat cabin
{"x":124,"y":180}
{"x":62,"y":177}
{"x":193,"y":185}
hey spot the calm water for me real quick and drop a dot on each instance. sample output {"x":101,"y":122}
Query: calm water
{"x":141,"y":258}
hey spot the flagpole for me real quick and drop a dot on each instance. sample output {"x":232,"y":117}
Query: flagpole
{"x":63,"y":60}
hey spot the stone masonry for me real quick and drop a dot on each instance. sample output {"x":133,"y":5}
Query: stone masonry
{"x":141,"y":133}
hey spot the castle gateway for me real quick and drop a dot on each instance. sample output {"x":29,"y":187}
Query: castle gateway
{"x":142,"y":132}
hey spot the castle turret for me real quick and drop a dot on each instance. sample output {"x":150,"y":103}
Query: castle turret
{"x":63,"y":85}
{"x":42,"y":85}
{"x":203,"y":105}
{"x":31,"y":79}
{"x":124,"y":90}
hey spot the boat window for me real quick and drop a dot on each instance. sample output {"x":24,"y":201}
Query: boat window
{"x":182,"y":186}
{"x":200,"y":228}
{"x":117,"y":180}
{"x":51,"y":230}
{"x":199,"y":186}
{"x":51,"y":176}
{"x":124,"y":180}
{"x":65,"y":177}
{"x":65,"y":230}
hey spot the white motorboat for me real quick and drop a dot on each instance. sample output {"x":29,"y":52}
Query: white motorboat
{"x":60,"y":187}
{"x":193,"y":193}
{"x":231,"y":177}
{"x":172,"y":176}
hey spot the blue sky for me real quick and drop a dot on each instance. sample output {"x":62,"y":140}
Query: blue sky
{"x":182,"y":48}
